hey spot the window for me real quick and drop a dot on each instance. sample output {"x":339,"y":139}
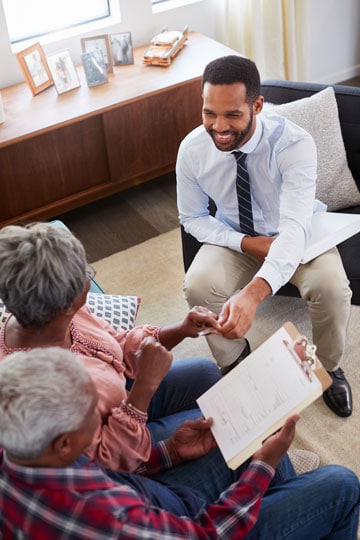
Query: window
{"x":165,"y":5}
{"x":27,"y":19}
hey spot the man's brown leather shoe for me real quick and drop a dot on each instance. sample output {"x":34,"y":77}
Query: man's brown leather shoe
{"x":245,"y":352}
{"x":338,"y":397}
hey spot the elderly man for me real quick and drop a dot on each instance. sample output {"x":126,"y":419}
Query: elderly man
{"x":48,"y":417}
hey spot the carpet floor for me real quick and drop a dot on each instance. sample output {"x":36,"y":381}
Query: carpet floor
{"x":154,"y":271}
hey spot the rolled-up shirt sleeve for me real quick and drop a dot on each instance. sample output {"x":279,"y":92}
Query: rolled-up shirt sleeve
{"x":297,"y":167}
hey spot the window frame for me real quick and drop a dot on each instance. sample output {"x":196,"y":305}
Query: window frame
{"x":159,"y":6}
{"x":78,"y":27}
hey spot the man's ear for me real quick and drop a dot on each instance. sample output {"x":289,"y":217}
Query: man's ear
{"x":61,"y":446}
{"x":258,"y":105}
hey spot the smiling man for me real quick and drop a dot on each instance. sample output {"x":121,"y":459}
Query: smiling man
{"x":260,"y":170}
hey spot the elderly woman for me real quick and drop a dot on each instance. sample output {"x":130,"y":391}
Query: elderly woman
{"x":44,"y":284}
{"x":142,"y":392}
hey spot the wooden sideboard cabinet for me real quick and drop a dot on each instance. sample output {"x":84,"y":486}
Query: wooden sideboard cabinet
{"x":58,"y":152}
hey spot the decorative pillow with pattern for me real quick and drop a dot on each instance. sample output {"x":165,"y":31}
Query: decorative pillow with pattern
{"x":3,"y":313}
{"x":119,"y":311}
{"x":319,"y":116}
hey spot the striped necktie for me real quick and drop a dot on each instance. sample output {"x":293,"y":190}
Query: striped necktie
{"x":243,"y":195}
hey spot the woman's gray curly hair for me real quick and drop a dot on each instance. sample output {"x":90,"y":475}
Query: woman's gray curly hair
{"x":44,"y":393}
{"x":42,"y":271}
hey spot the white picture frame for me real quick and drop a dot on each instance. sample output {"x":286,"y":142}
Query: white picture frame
{"x":63,"y":71}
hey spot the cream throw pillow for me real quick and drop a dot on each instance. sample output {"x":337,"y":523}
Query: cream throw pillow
{"x":318,"y":115}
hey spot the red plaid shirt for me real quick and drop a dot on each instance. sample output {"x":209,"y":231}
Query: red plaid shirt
{"x":82,"y":502}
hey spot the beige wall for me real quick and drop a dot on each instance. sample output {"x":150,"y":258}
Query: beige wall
{"x":136,"y":17}
{"x":332,"y":45}
{"x":334,"y":33}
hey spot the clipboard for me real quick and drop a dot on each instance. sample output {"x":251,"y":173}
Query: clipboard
{"x":312,"y":361}
{"x":278,"y":379}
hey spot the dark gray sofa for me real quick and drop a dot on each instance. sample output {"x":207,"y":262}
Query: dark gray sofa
{"x":348,"y":101}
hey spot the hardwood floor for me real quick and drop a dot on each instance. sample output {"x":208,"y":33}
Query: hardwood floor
{"x":132,"y":216}
{"x":125,"y":219}
{"x":355,"y":81}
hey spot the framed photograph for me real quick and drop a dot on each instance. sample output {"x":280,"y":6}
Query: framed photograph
{"x":63,"y":71}
{"x":100,"y":46}
{"x":122,"y":49}
{"x":35,"y":68}
{"x":94,"y":68}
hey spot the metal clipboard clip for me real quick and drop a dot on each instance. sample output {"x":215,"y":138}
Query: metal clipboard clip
{"x":304,"y":353}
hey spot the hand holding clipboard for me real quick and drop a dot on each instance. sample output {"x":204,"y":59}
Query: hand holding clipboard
{"x":280,"y":378}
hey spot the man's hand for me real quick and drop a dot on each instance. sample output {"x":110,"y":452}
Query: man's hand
{"x":200,"y":321}
{"x":274,"y":448}
{"x":238,"y":313}
{"x":257,"y":246}
{"x":192,"y":440}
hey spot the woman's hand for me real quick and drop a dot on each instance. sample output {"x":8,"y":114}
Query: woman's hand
{"x":200,"y":321}
{"x":192,"y":440}
{"x":153,"y":363}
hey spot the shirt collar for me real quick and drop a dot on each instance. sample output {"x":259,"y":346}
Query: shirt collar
{"x":252,"y":143}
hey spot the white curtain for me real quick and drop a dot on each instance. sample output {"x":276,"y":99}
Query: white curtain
{"x":270,"y":32}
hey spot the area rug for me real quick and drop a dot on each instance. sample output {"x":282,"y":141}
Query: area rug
{"x":154,"y":271}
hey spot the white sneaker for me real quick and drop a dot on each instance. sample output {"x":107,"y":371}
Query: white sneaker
{"x":303,"y":460}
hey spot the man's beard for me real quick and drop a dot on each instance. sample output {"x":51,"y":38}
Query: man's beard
{"x":239,"y":136}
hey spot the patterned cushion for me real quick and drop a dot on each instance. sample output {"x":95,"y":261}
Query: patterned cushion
{"x":319,"y":116}
{"x":119,"y":311}
{"x":3,"y":313}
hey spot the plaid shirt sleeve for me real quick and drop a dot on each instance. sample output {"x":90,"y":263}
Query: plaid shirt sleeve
{"x":231,"y":517}
{"x":82,"y":502}
{"x":158,"y":461}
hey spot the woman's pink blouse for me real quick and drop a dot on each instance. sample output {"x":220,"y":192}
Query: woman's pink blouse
{"x":122,"y":442}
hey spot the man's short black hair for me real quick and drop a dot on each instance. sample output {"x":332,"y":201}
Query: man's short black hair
{"x":234,"y":69}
